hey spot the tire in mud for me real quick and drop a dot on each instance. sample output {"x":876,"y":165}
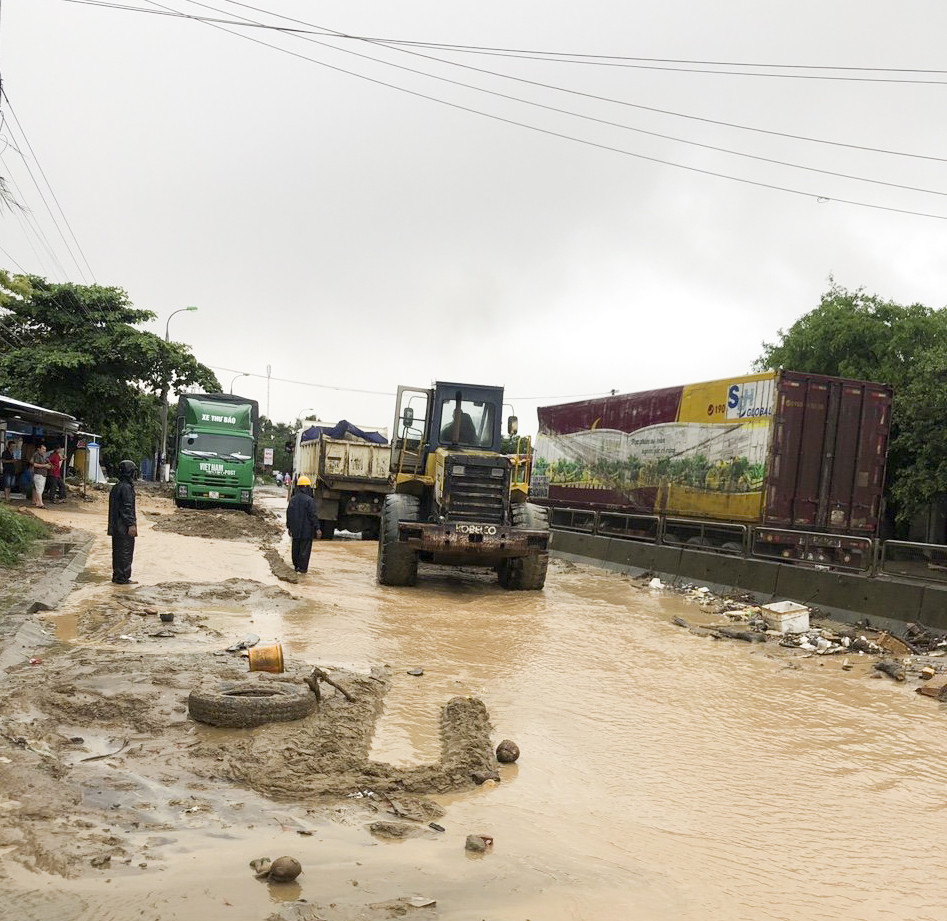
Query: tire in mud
{"x":240,"y":706}
{"x":397,"y":564}
{"x":527,"y":573}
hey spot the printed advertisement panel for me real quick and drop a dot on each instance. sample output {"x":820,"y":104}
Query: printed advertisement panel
{"x":710,"y":461}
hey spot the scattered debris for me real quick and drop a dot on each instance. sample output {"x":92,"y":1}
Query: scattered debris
{"x":478,"y":843}
{"x":416,"y":672}
{"x":251,"y":639}
{"x":935,"y":687}
{"x":889,"y":667}
{"x":482,"y":777}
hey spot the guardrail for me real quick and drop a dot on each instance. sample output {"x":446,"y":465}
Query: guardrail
{"x":816,"y":549}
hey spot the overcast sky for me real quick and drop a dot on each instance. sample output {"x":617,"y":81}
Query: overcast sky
{"x":351,"y":234}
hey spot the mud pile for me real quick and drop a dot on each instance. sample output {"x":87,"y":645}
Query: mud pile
{"x":222,"y":524}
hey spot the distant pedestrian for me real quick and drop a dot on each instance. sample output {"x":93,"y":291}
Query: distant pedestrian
{"x":40,"y":465}
{"x":9,"y":468}
{"x":57,"y":489}
{"x":302,"y":522}
{"x":287,"y":479}
{"x":123,"y":525}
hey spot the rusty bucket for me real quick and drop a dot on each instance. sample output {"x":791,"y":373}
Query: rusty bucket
{"x":266,"y":658}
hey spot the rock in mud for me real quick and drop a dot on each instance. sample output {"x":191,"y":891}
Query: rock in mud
{"x":394,"y":831}
{"x":285,"y":869}
{"x":481,"y":777}
{"x":478,"y":843}
{"x":507,"y":751}
{"x":300,"y":910}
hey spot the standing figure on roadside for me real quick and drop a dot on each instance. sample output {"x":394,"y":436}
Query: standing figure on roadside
{"x":9,"y":468}
{"x":40,"y":465}
{"x":123,"y":525}
{"x":302,"y":522}
{"x":57,"y":489}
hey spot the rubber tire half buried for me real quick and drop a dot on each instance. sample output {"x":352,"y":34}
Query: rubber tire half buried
{"x":397,"y":564}
{"x":527,"y":573}
{"x":239,"y":706}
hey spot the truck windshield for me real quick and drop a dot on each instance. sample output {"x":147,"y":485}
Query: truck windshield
{"x":226,"y":447}
{"x":476,"y":423}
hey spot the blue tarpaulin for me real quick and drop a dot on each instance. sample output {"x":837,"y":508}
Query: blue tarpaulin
{"x":340,"y":430}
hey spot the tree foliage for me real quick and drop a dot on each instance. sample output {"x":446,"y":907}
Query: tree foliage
{"x":76,"y":349}
{"x":859,"y":335}
{"x":275,"y":435}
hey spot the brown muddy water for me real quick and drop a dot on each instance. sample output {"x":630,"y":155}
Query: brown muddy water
{"x":662,"y":774}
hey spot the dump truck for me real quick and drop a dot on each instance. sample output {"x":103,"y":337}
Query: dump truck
{"x":348,"y":467}
{"x":215,"y":436}
{"x":759,"y":457}
{"x":457,"y":499}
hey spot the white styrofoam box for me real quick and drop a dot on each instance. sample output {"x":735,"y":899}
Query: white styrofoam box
{"x":786,"y":616}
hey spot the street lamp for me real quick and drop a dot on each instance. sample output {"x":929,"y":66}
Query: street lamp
{"x":164,"y":400}
{"x":241,"y":374}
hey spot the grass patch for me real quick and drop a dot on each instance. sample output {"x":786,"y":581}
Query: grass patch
{"x":17,"y":532}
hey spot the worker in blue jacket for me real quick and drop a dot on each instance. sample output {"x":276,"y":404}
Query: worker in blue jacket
{"x":302,"y":522}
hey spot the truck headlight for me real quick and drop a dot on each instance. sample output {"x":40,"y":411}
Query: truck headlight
{"x":497,"y":472}
{"x":458,"y":470}
{"x":244,"y":495}
{"x":182,"y":491}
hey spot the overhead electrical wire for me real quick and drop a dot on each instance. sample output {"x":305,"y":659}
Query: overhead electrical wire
{"x":817,"y":196}
{"x":572,"y":57}
{"x":324,"y":31}
{"x":9,"y":106}
{"x":386,"y":393}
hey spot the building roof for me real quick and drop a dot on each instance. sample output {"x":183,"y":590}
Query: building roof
{"x":37,"y":415}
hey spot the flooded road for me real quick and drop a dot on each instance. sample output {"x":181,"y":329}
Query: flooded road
{"x":662,"y":774}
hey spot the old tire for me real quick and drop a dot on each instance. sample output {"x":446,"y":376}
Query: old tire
{"x":239,"y":706}
{"x":526,"y":573}
{"x":397,"y":564}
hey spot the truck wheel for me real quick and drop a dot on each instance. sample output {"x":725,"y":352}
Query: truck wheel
{"x":370,"y":533}
{"x":397,"y":564}
{"x":328,"y":530}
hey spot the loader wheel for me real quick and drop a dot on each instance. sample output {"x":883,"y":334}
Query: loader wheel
{"x":397,"y":564}
{"x":526,"y":573}
{"x":244,"y":704}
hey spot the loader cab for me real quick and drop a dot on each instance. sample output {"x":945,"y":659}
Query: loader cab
{"x":457,"y":417}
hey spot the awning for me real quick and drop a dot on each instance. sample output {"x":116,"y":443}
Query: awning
{"x":17,"y":412}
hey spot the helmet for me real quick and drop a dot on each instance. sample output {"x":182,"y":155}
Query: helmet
{"x":127,"y":470}
{"x":304,"y":481}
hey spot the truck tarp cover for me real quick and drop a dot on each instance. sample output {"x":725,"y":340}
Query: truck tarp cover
{"x":341,"y":430}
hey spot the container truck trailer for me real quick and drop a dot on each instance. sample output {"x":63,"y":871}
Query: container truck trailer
{"x":780,"y":452}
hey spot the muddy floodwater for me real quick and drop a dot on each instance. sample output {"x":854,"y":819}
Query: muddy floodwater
{"x":663,"y":774}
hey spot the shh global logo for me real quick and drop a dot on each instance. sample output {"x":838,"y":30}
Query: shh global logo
{"x":748,"y":401}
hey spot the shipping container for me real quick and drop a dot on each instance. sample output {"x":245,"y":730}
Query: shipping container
{"x":782,"y":449}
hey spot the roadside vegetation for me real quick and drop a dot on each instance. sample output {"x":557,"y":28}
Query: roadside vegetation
{"x":17,"y":532}
{"x":859,"y":335}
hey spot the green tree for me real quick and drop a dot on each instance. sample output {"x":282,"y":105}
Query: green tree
{"x":275,"y":435}
{"x":860,"y":335}
{"x":75,"y":348}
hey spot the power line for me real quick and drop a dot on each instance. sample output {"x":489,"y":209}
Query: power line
{"x":39,"y":166}
{"x":817,"y":196}
{"x":386,"y":393}
{"x":570,"y":57}
{"x":325,"y":31}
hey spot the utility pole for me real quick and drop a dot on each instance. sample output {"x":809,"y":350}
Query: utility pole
{"x":269,"y":371}
{"x":164,"y":404}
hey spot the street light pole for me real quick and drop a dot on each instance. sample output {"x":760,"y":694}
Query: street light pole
{"x":234,"y":381}
{"x":164,"y":401}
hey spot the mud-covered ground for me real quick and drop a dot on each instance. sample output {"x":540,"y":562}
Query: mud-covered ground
{"x":222,"y":524}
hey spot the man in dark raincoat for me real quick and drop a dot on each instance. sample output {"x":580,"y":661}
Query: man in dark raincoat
{"x":302,"y":522}
{"x":123,"y":526}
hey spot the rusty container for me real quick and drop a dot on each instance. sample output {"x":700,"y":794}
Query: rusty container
{"x":266,"y":658}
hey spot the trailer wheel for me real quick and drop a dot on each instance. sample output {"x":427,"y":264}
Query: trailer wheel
{"x":370,"y":533}
{"x":526,"y":573}
{"x":328,"y":529}
{"x":245,"y":704}
{"x":397,"y":564}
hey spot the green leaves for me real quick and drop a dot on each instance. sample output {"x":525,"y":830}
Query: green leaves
{"x":76,"y":348}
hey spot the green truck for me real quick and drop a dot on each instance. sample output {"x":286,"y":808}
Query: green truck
{"x":216,"y":437}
